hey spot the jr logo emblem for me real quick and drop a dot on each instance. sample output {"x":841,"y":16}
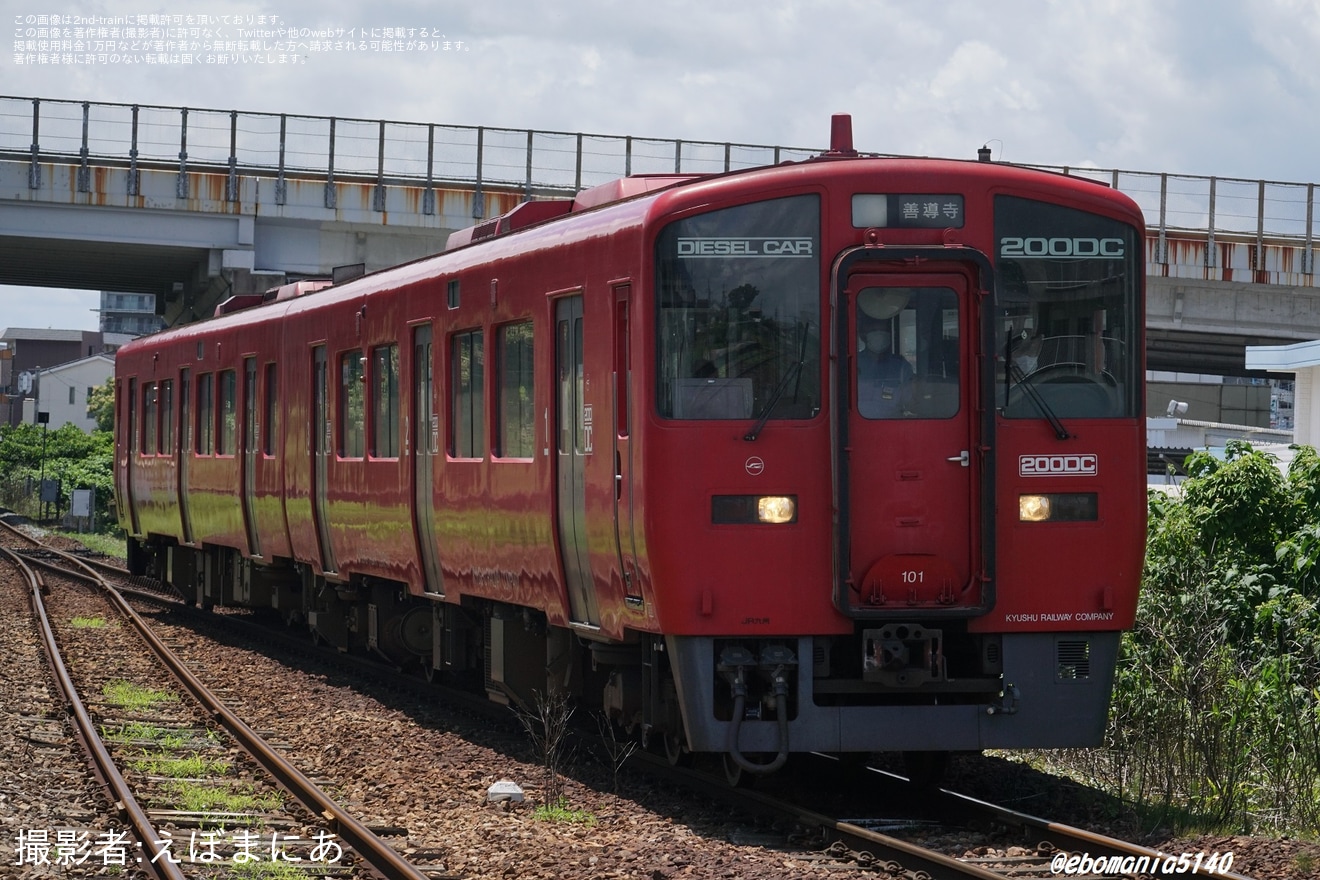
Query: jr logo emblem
{"x":1082,"y":464}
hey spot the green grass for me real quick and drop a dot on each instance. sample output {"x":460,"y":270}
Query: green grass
{"x":135,"y":698}
{"x":87,"y":622}
{"x":267,"y":870}
{"x":198,"y":797}
{"x":137,"y":731}
{"x":165,"y":764}
{"x":110,"y":545}
{"x":559,"y":812}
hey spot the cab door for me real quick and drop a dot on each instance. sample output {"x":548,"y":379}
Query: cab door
{"x":129,"y":421}
{"x":911,"y":462}
{"x":625,"y":539}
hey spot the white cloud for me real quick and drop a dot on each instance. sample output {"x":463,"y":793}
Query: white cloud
{"x":1194,"y":86}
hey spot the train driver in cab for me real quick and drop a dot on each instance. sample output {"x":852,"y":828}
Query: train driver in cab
{"x":884,"y":377}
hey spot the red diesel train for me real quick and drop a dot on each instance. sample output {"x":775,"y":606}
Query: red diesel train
{"x":843,"y":455}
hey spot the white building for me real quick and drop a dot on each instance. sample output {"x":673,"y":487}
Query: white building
{"x":63,"y":391}
{"x":1302,"y":359}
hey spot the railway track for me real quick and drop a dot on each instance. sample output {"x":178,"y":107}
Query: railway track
{"x":905,"y":841}
{"x":160,"y":753}
{"x":1016,"y":844}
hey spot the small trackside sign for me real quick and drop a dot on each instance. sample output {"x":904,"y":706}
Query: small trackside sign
{"x":1083,"y":464}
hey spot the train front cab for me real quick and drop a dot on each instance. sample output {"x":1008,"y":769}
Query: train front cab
{"x":989,"y":503}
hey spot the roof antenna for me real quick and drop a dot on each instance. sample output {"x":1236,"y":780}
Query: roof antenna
{"x":841,"y":141}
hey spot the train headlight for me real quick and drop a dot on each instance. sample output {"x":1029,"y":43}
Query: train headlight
{"x":769,"y":509}
{"x":1059,"y":507}
{"x":776,"y":508}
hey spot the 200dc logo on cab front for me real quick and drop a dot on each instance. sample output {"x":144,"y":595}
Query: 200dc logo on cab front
{"x":1080,"y":465}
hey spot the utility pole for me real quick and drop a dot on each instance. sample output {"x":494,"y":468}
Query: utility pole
{"x":43,"y":419}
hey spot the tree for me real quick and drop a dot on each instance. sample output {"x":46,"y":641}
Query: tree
{"x":101,"y":405}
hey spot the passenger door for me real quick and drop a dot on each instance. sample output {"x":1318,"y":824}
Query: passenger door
{"x":322,"y":448}
{"x":426,"y":445}
{"x":184,"y":450}
{"x":575,"y":443}
{"x":249,"y":432}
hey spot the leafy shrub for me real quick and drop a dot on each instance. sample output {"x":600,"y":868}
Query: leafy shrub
{"x":1216,"y":714}
{"x":78,"y":460}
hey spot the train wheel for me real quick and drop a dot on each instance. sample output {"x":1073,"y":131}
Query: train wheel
{"x":734,"y":774}
{"x":925,"y":769}
{"x":676,"y":750}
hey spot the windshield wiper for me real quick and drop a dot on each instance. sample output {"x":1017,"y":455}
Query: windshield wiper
{"x":764,"y":417}
{"x":793,"y":370}
{"x":1014,"y":373}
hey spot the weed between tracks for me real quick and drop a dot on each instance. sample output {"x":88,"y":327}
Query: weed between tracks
{"x":199,"y":797}
{"x":267,"y":871}
{"x":87,"y":623}
{"x":140,"y":732}
{"x":135,"y":698}
{"x":166,"y":764}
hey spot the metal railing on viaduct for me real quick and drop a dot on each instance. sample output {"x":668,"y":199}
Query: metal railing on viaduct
{"x":386,"y":153}
{"x":383,"y":152}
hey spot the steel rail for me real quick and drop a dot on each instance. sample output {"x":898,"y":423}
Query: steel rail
{"x":1068,"y":836}
{"x":379,"y":856}
{"x":897,"y":858}
{"x":121,"y":794}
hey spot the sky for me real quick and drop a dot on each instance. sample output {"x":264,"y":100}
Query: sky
{"x":1207,"y":87}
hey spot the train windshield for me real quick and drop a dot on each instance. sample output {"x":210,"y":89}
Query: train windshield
{"x":1069,"y":301}
{"x":738,"y":312}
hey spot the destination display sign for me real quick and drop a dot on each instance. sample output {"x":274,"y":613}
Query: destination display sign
{"x":907,"y":210}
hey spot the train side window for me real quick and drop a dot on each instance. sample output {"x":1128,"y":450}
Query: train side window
{"x":452,"y":294}
{"x":149,"y":417}
{"x":466,"y":388}
{"x":272,"y":410}
{"x":517,"y":417}
{"x":352,"y":412}
{"x":226,"y":441}
{"x":385,"y":401}
{"x":166,"y":396}
{"x":205,"y":432}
